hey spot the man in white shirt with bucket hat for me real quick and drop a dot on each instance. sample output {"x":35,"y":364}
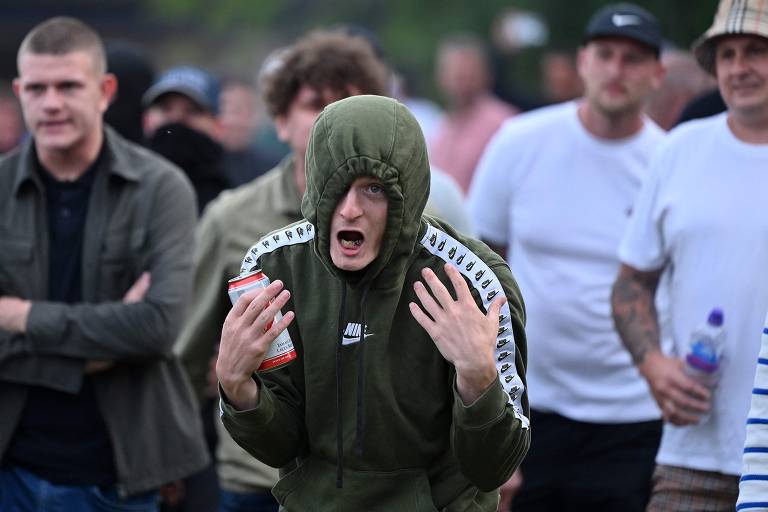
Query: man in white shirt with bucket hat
{"x":701,"y":216}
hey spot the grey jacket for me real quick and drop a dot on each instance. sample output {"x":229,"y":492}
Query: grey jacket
{"x":229,"y":226}
{"x":141,"y":216}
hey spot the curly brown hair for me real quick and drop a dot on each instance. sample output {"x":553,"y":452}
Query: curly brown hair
{"x":323,"y":60}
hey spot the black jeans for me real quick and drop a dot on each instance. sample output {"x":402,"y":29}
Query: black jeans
{"x":575,"y":466}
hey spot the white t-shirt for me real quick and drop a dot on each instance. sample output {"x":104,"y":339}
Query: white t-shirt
{"x":702,"y":212}
{"x":559,"y":199}
{"x":446,"y":201}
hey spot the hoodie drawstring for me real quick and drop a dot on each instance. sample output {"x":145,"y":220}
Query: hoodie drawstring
{"x":339,"y":432}
{"x":360,"y":379}
{"x":360,"y":418}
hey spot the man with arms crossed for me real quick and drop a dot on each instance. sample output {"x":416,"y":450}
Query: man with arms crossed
{"x":297,"y":83}
{"x":95,"y":237}
{"x":553,"y":192}
{"x":425,"y":406}
{"x":701,"y":215}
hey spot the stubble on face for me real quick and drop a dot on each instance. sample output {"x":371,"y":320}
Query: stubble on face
{"x":619,"y":75}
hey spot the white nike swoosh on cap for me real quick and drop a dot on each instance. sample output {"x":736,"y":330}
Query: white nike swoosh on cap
{"x":622,"y":20}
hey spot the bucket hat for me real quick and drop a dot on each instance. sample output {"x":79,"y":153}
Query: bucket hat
{"x":732,"y":17}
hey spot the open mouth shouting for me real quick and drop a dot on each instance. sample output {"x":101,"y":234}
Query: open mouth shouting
{"x":351,"y":241}
{"x":357,"y":225}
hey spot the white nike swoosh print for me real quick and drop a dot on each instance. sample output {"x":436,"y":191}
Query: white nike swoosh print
{"x":623,"y":20}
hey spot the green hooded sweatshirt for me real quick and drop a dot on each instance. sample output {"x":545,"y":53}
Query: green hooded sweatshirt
{"x":369,"y":411}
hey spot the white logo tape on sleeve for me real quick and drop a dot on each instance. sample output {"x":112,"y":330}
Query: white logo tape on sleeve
{"x":487,"y":284}
{"x":296,"y":233}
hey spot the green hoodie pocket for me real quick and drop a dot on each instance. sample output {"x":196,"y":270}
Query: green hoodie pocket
{"x":312,"y":487}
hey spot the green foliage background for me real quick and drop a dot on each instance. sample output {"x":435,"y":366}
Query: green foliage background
{"x":410,"y":29}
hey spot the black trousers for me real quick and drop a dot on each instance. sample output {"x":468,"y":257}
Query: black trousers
{"x":576,"y":466}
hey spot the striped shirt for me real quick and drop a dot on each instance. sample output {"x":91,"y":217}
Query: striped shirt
{"x":753,"y":487}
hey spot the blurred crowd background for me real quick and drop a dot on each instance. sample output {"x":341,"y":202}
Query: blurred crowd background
{"x":530,"y":44}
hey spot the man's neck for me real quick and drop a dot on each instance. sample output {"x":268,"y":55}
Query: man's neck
{"x":749,"y":129}
{"x":70,"y":164}
{"x":461,"y":108}
{"x":610,"y":126}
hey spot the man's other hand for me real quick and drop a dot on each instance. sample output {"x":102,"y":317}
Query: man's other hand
{"x":139,"y":289}
{"x":14,"y":313}
{"x":462,"y":333}
{"x":245,"y":340}
{"x":681,"y":399}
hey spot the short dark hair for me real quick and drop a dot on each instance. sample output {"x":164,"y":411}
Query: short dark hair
{"x":62,"y":35}
{"x":322,"y":60}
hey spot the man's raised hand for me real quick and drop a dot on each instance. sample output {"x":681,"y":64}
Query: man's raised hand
{"x":462,"y":333}
{"x":245,"y":340}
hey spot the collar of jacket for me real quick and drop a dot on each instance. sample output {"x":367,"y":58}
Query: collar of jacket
{"x":288,"y":200}
{"x":26,"y":169}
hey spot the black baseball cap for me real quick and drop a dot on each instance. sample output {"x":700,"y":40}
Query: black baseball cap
{"x":625,"y":20}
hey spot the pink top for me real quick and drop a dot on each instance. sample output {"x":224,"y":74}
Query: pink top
{"x":461,"y":137}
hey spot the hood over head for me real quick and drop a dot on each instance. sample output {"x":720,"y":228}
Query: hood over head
{"x":368,"y":136}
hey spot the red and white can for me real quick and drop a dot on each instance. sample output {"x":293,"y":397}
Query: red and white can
{"x":281,"y":352}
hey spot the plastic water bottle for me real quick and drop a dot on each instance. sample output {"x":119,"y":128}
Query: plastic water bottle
{"x":702,"y":362}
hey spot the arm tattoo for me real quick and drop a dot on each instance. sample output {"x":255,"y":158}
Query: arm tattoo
{"x":634,"y":311}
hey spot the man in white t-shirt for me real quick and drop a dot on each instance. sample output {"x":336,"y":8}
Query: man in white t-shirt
{"x":701,"y":215}
{"x":553,"y":192}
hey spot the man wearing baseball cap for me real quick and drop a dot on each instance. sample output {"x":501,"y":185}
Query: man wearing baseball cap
{"x":565,"y":178}
{"x":701,"y":214}
{"x":181,"y":123}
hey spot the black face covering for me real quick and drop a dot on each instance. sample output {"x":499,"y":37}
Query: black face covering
{"x":199,"y":156}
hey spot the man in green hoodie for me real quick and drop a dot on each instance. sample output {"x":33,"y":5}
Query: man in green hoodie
{"x":296,"y":83}
{"x":407,"y":394}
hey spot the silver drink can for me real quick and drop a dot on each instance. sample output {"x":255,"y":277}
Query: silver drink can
{"x":281,"y":352}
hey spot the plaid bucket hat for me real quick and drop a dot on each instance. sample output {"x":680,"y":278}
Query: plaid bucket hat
{"x":732,"y":17}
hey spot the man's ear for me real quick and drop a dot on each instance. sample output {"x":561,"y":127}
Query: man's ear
{"x":580,"y":57}
{"x":281,"y":128}
{"x":108,"y":88}
{"x":150,"y":121}
{"x":16,"y":85}
{"x":660,"y":73}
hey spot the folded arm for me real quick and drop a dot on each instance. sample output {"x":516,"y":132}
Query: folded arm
{"x":124,"y":329}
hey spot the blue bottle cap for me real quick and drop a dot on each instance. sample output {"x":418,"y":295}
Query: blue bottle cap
{"x":715,"y":317}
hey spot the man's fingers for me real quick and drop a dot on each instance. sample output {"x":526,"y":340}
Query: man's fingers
{"x":695,"y":405}
{"x":257,"y":300}
{"x":459,"y":285}
{"x":437,"y":288}
{"x":278,"y":327}
{"x":139,"y":289}
{"x":267,"y":316}
{"x":427,"y":302}
{"x":679,"y":416}
{"x":696,"y":390}
{"x":245,"y":299}
{"x":427,"y":323}
{"x":494,"y":310}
